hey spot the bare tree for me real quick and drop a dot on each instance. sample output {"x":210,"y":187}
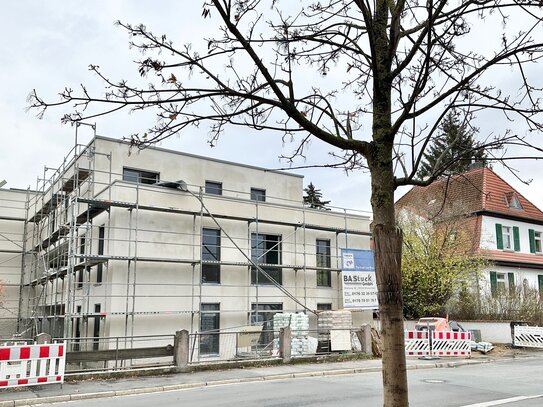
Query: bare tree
{"x":353,"y":74}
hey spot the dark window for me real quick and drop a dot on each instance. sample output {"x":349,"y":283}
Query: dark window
{"x":266,"y":250}
{"x":82,"y":248}
{"x":140,"y":176}
{"x":211,"y":252}
{"x":209,"y":329}
{"x":324,"y":277}
{"x":258,"y":194}
{"x":213,"y":187}
{"x":324,"y":307}
{"x":77,"y":328}
{"x":101,"y":241}
{"x":262,"y":314}
{"x":96,"y":330}
{"x":80,"y":275}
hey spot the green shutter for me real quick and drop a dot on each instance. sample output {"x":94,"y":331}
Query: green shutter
{"x":493,"y":284}
{"x":499,"y":236}
{"x":511,"y":278}
{"x":540,"y":281}
{"x":516,"y":238}
{"x":531,"y":236}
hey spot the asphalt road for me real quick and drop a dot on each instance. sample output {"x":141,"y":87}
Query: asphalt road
{"x":515,"y":383}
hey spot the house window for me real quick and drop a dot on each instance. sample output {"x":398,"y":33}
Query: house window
{"x":101,"y":241}
{"x":96,"y":328}
{"x":214,"y":188}
{"x":140,"y":176}
{"x":262,"y":314}
{"x":324,"y":277}
{"x":209,"y":328}
{"x":324,"y":307}
{"x":258,"y":194}
{"x":535,"y":241}
{"x":501,"y":283}
{"x":540,"y":285}
{"x":266,"y":250}
{"x":211,"y":252}
{"x":507,"y":237}
{"x":512,"y":201}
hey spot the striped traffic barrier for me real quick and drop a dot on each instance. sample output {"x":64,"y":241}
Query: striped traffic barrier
{"x":28,"y":365}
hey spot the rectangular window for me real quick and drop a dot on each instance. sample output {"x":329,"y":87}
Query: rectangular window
{"x":101,"y":242}
{"x":324,"y":277}
{"x":209,"y":328}
{"x":266,"y":250}
{"x":262,"y":314}
{"x":324,"y":307}
{"x":501,"y":283}
{"x":140,"y":176}
{"x":212,"y":187}
{"x":96,"y":330}
{"x":258,"y":194}
{"x":536,"y":245}
{"x":82,"y":243}
{"x":211,"y":252}
{"x":506,"y":236}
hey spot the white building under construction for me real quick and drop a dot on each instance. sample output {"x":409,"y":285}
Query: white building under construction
{"x":119,"y":243}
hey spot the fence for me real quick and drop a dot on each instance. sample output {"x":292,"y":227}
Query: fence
{"x":22,"y":364}
{"x":437,"y":343}
{"x":528,"y":336}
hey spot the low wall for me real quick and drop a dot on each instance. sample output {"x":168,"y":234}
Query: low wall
{"x":491,"y":331}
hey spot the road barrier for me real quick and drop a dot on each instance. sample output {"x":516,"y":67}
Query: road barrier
{"x":29,"y":365}
{"x":437,"y":343}
{"x":528,"y":336}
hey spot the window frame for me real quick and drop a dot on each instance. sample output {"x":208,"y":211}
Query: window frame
{"x":264,"y":247}
{"x":324,"y":306}
{"x":507,"y":237}
{"x":140,"y":176}
{"x":211,"y":340}
{"x":323,"y":260}
{"x":258,"y":194}
{"x":213,"y":187}
{"x":211,"y":268}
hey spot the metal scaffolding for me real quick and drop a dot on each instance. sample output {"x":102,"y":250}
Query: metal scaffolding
{"x":72,"y":260}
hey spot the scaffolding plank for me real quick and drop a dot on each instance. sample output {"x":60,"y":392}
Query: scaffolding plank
{"x":93,"y":211}
{"x":53,"y":238}
{"x":47,"y":207}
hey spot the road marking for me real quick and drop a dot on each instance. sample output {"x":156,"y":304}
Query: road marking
{"x":503,"y":401}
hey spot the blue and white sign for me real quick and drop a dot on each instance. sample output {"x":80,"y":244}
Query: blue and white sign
{"x":359,"y":283}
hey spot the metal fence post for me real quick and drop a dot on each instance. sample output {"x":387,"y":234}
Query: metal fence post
{"x":285,"y":344}
{"x":181,"y":350}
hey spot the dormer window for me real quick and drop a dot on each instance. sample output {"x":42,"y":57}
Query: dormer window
{"x":512,"y":201}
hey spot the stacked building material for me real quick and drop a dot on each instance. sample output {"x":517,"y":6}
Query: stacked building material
{"x":299,"y":325}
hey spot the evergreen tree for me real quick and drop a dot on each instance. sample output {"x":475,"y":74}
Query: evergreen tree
{"x":313,"y":198}
{"x":453,"y":151}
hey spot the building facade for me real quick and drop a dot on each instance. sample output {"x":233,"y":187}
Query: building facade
{"x":504,"y":226}
{"x":121,"y":242}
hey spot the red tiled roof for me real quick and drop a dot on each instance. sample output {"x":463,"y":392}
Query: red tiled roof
{"x":514,"y":257}
{"x":477,"y":190}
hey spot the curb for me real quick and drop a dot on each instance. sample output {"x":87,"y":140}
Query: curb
{"x":283,"y":376}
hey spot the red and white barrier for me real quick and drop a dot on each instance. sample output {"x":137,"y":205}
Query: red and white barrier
{"x":437,"y":343}
{"x":28,"y":365}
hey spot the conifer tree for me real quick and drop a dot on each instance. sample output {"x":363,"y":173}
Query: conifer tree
{"x":313,"y":198}
{"x":453,"y":151}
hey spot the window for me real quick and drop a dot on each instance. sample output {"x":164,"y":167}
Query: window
{"x":540,"y":285}
{"x":213,"y":187}
{"x":209,"y":327}
{"x":501,"y":283}
{"x":140,"y":176}
{"x":507,"y":237}
{"x":101,"y":241}
{"x":258,"y":194}
{"x":82,"y":243}
{"x":266,"y":250}
{"x":211,"y":251}
{"x":512,"y":201}
{"x":536,"y":245}
{"x":324,"y":307}
{"x":324,"y":277}
{"x":262,"y":314}
{"x":96,"y":328}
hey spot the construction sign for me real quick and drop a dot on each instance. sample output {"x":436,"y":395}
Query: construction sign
{"x":358,"y":279}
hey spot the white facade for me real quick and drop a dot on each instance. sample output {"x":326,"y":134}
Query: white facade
{"x":109,"y":256}
{"x":524,"y":262}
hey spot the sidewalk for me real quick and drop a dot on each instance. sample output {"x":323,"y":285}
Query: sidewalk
{"x":78,"y":390}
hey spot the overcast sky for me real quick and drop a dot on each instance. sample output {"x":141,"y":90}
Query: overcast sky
{"x":49,"y":44}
